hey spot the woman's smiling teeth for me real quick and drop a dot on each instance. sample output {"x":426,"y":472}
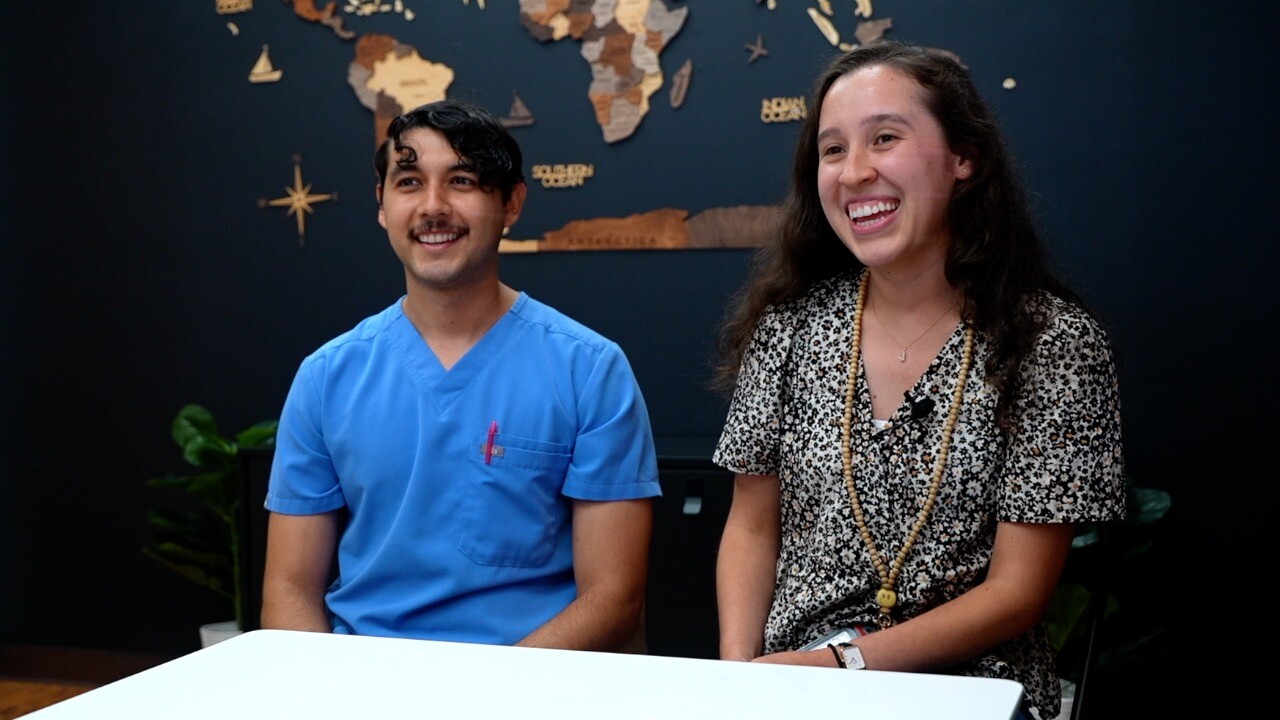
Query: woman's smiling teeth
{"x":866,"y":210}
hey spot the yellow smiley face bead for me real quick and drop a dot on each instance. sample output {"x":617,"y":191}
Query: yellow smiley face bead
{"x":886,"y":598}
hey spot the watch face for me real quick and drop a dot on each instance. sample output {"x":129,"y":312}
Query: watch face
{"x":852,"y":656}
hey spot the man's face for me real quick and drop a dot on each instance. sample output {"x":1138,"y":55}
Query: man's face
{"x":444,"y":228}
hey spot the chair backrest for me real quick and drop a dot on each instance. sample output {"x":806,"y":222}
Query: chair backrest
{"x":688,"y":520}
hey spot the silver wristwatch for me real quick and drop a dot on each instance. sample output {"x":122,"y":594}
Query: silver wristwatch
{"x":852,"y":656}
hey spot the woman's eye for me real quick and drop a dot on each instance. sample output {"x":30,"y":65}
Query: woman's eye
{"x":832,"y":150}
{"x":885,"y":137}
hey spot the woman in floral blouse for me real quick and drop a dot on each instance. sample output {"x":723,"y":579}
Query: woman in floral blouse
{"x":921,"y":413}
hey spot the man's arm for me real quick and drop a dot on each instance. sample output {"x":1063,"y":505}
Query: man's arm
{"x":610,"y":566}
{"x":299,"y":558}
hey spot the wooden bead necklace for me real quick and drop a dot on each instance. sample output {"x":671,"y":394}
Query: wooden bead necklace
{"x":886,"y":598}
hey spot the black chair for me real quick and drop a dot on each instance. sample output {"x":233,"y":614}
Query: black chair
{"x":687,"y":522}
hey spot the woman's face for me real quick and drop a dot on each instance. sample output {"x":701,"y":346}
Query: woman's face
{"x":885,"y":171}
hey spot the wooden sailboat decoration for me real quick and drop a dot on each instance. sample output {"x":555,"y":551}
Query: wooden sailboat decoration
{"x":519,"y":115}
{"x":262,"y":71}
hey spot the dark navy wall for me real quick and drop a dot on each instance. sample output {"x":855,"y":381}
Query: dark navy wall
{"x":137,"y":274}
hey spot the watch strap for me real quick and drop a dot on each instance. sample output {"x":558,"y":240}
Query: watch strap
{"x":839,"y":655}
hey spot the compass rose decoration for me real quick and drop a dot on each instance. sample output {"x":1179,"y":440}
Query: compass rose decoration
{"x":298,"y":200}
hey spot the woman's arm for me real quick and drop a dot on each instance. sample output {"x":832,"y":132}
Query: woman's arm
{"x":746,"y":566}
{"x":1026,"y":564}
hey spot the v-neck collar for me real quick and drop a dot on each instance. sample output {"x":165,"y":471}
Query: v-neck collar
{"x":446,"y":386}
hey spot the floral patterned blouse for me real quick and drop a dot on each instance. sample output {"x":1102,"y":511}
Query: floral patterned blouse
{"x":1063,"y":464}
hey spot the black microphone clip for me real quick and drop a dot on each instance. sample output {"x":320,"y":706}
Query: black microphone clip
{"x":920,"y":407}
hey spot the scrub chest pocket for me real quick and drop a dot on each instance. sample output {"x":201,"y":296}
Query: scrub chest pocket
{"x":514,"y":513}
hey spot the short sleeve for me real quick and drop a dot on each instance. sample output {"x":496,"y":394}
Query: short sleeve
{"x":613,"y":455}
{"x":303,"y":479}
{"x":749,"y":443}
{"x":1065,"y":459}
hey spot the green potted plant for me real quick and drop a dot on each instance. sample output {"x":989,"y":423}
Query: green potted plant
{"x":198,"y":537}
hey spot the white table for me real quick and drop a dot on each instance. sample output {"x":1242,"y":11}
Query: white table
{"x":282,"y":675}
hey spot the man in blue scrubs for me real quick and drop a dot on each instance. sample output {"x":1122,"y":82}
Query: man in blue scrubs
{"x":480,"y":465}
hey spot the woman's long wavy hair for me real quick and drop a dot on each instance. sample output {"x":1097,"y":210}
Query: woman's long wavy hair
{"x":995,"y":258}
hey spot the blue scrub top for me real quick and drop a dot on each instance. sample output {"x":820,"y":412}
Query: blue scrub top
{"x":438,"y":543}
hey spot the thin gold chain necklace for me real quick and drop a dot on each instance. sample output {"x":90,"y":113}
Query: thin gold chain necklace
{"x":886,"y":598}
{"x":902,"y":356}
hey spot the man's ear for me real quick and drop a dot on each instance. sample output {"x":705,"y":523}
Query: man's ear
{"x":382,"y":218}
{"x":515,"y":204}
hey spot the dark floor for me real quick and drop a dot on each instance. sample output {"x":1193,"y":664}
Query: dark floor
{"x":33,"y":677}
{"x":20,"y":697}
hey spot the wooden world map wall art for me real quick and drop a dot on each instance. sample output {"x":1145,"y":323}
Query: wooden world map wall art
{"x":389,"y":76}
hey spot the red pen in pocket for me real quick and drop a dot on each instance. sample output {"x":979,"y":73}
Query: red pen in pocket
{"x":488,"y":445}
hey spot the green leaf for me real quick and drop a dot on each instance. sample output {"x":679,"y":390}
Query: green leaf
{"x":215,"y":489}
{"x":192,"y":568}
{"x":165,"y":520}
{"x":204,"y":450}
{"x":1086,"y":535}
{"x":262,"y":434}
{"x":1146,"y":505}
{"x":213,"y":561}
{"x":198,"y":541}
{"x":193,"y":420}
{"x":197,"y":434}
{"x":1062,"y":616}
{"x":177,"y":482}
{"x":201,"y":532}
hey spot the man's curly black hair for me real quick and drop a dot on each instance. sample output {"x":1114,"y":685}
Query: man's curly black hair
{"x":483,"y":144}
